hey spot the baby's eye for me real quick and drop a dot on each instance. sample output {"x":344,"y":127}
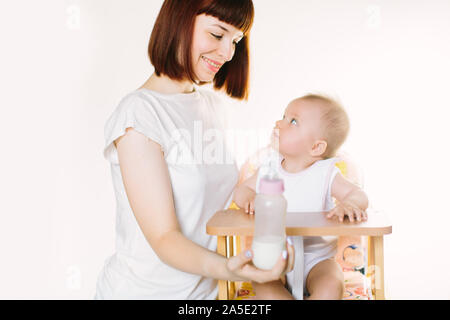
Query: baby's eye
{"x":293,"y":121}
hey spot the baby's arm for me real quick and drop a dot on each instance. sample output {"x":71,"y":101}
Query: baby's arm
{"x":244,"y":194}
{"x":352,"y":201}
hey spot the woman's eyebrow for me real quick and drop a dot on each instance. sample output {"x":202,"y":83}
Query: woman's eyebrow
{"x":221,"y":27}
{"x":226,"y":30}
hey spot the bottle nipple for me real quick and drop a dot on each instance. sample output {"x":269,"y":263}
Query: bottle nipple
{"x":270,"y":182}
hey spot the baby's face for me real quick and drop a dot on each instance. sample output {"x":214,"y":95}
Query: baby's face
{"x":299,"y":129}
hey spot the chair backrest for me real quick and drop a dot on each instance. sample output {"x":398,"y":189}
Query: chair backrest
{"x":350,"y":169}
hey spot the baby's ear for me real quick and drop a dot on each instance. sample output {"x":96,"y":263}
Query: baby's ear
{"x":319,"y":147}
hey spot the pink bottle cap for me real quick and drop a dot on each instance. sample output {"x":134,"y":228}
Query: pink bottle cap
{"x":269,"y":186}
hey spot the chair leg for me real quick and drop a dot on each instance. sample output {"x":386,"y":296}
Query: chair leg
{"x":237,"y":250}
{"x":376,"y":266}
{"x":379,"y":263}
{"x":230,"y":284}
{"x":222,"y":250}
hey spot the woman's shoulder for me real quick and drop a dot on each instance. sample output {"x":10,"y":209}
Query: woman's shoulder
{"x":135,"y":110}
{"x":150,"y":96}
{"x":138,"y":96}
{"x":139,"y":101}
{"x":135,"y":107}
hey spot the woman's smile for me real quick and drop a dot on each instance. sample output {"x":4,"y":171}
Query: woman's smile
{"x":214,"y":66}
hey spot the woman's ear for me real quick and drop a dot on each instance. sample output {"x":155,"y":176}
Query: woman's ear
{"x":318,"y":148}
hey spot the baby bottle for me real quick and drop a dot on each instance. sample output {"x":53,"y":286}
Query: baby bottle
{"x":270,"y":220}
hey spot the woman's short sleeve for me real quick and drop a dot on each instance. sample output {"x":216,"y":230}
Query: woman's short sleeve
{"x":132,"y":112}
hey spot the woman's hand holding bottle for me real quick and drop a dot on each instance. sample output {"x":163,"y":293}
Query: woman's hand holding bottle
{"x":244,"y":270}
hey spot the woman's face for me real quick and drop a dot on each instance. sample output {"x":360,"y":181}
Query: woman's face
{"x":213,"y":44}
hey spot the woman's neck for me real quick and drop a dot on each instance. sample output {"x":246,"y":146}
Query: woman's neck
{"x":166,"y":85}
{"x":295,"y":165}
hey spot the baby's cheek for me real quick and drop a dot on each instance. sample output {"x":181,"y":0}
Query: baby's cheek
{"x":291,"y":145}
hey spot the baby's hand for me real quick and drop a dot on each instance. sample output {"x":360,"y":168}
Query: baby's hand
{"x":348,"y":209}
{"x":244,"y":197}
{"x":250,"y":205}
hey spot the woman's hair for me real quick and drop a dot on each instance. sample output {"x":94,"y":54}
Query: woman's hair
{"x":336,"y":123}
{"x":173,"y":33}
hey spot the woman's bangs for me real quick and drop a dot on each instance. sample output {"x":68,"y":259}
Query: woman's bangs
{"x":238,"y":13}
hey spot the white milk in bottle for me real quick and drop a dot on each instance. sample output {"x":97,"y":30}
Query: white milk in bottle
{"x":270,"y":222}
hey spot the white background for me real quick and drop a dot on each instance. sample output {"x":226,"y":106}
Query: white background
{"x":66,"y":64}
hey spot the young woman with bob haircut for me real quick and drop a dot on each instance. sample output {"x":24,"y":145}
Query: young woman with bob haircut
{"x":163,"y":199}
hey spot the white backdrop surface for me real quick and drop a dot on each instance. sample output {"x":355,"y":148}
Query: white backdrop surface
{"x":66,"y":64}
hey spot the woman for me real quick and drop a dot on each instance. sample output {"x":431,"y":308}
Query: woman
{"x":164,"y":199}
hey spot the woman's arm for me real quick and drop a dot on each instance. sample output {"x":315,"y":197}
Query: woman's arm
{"x":147,"y":183}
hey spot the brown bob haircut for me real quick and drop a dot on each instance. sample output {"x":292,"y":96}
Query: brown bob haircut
{"x":173,"y":32}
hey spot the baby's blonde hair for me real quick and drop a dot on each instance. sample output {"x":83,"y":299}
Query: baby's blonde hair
{"x":336,"y":123}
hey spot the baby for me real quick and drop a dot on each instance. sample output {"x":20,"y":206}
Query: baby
{"x":307,"y":139}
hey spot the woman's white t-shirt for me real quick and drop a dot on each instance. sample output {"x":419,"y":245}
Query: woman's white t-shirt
{"x":189,"y":129}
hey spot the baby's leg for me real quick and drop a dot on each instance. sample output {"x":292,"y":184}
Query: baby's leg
{"x":274,"y":290}
{"x":325,"y":281}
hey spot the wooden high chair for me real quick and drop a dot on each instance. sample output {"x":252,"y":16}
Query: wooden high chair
{"x":234,"y":229}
